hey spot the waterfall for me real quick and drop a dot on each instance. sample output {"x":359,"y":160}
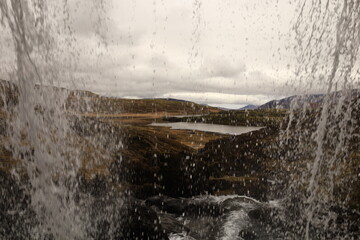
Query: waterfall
{"x":327,"y":50}
{"x":38,"y":126}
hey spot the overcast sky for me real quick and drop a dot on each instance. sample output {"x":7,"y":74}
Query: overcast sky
{"x":227,"y":53}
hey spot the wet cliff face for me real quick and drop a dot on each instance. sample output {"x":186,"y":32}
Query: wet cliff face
{"x":231,"y":165}
{"x":16,"y":216}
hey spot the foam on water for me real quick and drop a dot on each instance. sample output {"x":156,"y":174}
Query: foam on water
{"x":235,"y":220}
{"x":222,"y":198}
{"x":234,"y":223}
{"x":180,"y":236}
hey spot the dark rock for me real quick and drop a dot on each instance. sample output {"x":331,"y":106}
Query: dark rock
{"x":203,"y":208}
{"x":183,"y":206}
{"x":247,"y":235}
{"x":125,"y":169}
{"x":144,"y":191}
{"x":255,"y":213}
{"x":347,"y":220}
{"x":3,"y":127}
{"x":141,"y":223}
{"x":16,"y":217}
{"x":255,"y":187}
{"x":168,"y":204}
{"x":98,"y":186}
{"x":260,"y":214}
{"x":114,"y":218}
{"x":171,"y":225}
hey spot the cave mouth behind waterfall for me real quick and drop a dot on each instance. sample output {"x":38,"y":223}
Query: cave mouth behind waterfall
{"x":96,"y":141}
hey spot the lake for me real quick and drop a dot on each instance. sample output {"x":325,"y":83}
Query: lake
{"x":206,"y":127}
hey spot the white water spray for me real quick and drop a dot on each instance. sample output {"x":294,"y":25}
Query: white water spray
{"x":328,"y":40}
{"x":38,"y":128}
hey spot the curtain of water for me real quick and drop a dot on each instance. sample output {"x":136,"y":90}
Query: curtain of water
{"x":328,"y":40}
{"x":38,"y":130}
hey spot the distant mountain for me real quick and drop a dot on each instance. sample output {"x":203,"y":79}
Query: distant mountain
{"x":283,"y":103}
{"x":313,"y":100}
{"x":167,"y":99}
{"x":249,"y":107}
{"x":174,"y":99}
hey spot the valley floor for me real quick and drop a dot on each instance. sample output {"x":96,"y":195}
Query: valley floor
{"x":183,"y":184}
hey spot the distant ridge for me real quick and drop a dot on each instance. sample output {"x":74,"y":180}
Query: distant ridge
{"x":174,"y":99}
{"x":249,"y":107}
{"x":283,"y":103}
{"x":312,"y":100}
{"x":82,"y":101}
{"x":167,"y":99}
{"x":109,"y":104}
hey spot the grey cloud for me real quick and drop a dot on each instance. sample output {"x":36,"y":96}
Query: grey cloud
{"x":221,"y":67}
{"x":145,"y":83}
{"x":88,"y":22}
{"x":153,"y":74}
{"x":225,"y":68}
{"x":116,"y":36}
{"x":160,"y":61}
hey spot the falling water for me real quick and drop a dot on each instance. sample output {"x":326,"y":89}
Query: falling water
{"x":37,"y":127}
{"x":328,"y":40}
